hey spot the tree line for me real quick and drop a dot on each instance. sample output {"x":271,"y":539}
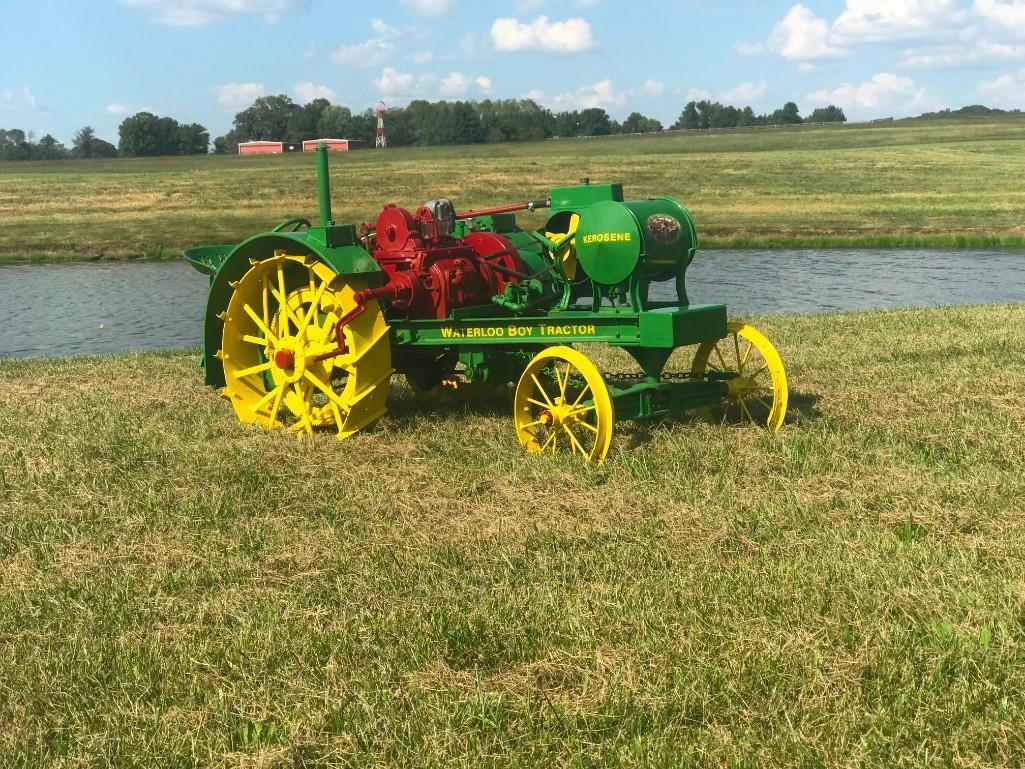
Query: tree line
{"x":421,"y":122}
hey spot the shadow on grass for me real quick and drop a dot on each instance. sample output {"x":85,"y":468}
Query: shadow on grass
{"x":801,"y":408}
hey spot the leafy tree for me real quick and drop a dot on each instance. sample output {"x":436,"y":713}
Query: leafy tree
{"x":14,"y":145}
{"x":146,"y":135}
{"x":595,"y":122}
{"x":788,"y":115}
{"x":304,"y":122}
{"x":49,"y":148}
{"x":567,"y":124}
{"x":636,"y":123}
{"x":689,"y":119}
{"x":830,"y":114}
{"x":193,"y":139}
{"x":267,"y":119}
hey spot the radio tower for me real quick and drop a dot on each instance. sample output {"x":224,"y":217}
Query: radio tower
{"x":382,"y":140}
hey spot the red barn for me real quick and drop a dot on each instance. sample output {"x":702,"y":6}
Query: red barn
{"x":261,"y":148}
{"x":334,"y":145}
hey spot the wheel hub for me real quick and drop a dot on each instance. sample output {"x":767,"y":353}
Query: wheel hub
{"x":290,"y":359}
{"x":741,"y":386}
{"x":284,"y":359}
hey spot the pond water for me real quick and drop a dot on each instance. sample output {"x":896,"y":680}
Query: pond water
{"x":108,"y":307}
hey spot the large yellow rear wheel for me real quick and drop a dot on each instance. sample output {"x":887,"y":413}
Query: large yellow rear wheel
{"x":758,"y":393}
{"x":278,"y":327}
{"x":562,"y":404}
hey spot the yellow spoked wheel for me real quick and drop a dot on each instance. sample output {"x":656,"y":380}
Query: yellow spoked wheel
{"x":279,"y":324}
{"x":562,"y":404}
{"x":759,"y":393}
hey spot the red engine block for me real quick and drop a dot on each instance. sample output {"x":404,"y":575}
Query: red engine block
{"x":430,"y":272}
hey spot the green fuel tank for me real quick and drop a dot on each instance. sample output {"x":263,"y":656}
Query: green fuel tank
{"x":653,"y":240}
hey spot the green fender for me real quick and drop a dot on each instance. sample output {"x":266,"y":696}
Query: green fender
{"x":343,"y":256}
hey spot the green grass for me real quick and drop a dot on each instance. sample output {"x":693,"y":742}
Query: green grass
{"x":936,"y":183}
{"x":179,"y":590}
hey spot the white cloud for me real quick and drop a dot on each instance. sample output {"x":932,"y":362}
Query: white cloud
{"x":602,"y":94}
{"x":698,"y":94}
{"x":535,"y":95}
{"x":541,"y":34}
{"x":882,"y":90}
{"x":803,"y":36}
{"x":457,"y":84}
{"x":749,"y":49}
{"x":117,"y":109}
{"x":1005,"y":91}
{"x":394,"y":83}
{"x":653,"y":87}
{"x":374,"y":52}
{"x":236,"y":96}
{"x":1008,"y":14}
{"x":304,"y":93}
{"x":526,"y":6}
{"x":745,"y":93}
{"x":423,"y":57}
{"x":430,"y":7}
{"x":960,"y":54}
{"x":190,"y":13}
{"x":880,"y":20}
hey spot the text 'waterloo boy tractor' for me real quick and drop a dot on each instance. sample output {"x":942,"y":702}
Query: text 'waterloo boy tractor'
{"x":305,"y":326}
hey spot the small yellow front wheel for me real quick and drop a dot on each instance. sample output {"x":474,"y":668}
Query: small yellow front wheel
{"x":563,"y":404}
{"x":758,"y":391}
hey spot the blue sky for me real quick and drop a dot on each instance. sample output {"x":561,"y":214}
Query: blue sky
{"x":67,"y":64}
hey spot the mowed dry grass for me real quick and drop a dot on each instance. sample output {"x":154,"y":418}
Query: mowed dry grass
{"x":935,"y":183}
{"x":179,"y":590}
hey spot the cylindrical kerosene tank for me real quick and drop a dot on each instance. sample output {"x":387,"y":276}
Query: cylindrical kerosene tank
{"x":653,"y":238}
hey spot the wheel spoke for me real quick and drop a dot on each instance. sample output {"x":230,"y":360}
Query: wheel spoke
{"x":273,"y":417}
{"x":584,"y":410}
{"x":253,"y":370}
{"x":328,"y":391}
{"x":722,"y":360}
{"x":260,"y":324}
{"x":573,"y":442}
{"x":767,"y":406}
{"x":539,"y":403}
{"x":541,"y":389}
{"x":588,"y":425}
{"x":314,"y":306}
{"x":266,"y":398}
{"x":580,"y":397}
{"x":747,"y":413}
{"x":736,"y":349}
{"x":282,"y":301}
{"x":534,"y":424}
{"x":262,"y":341}
{"x":307,"y":420}
{"x":747,"y":354}
{"x":563,"y":383}
{"x":764,"y":368}
{"x":551,"y":439}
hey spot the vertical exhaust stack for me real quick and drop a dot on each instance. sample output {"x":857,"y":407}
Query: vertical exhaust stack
{"x":324,"y":187}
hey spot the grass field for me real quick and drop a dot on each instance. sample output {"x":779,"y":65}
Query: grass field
{"x":177,"y":590}
{"x":954,"y":182}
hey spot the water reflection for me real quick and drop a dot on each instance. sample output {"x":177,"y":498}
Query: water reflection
{"x":106,"y":307}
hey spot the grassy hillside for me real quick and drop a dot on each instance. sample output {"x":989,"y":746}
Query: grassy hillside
{"x":177,"y":590}
{"x":952,"y":182}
